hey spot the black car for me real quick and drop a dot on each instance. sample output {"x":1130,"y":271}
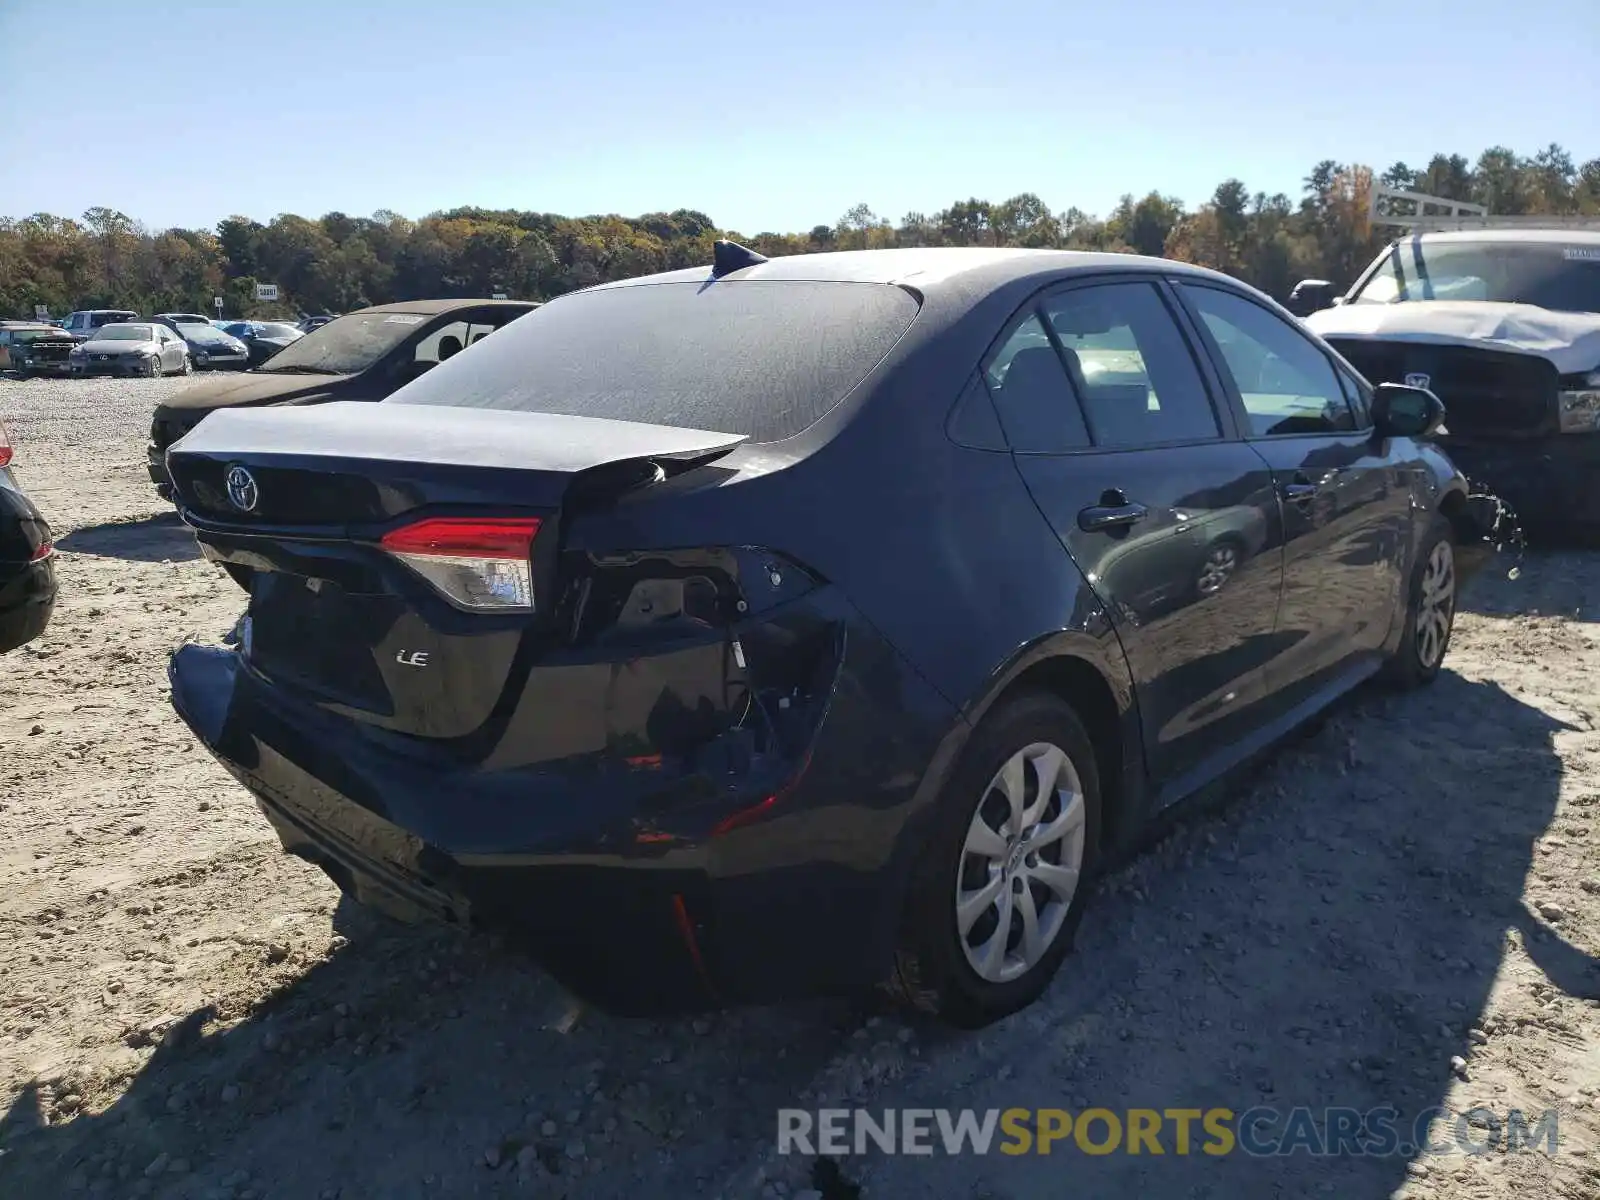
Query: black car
{"x":363,"y":355}
{"x":784,"y":630}
{"x":27,"y":566}
{"x":263,"y":338}
{"x":33,"y":348}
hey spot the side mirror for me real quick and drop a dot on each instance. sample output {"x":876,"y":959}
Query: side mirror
{"x":1311,"y":295}
{"x":1401,"y":411}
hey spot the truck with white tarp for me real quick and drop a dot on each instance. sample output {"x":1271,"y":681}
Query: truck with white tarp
{"x":1500,"y":318}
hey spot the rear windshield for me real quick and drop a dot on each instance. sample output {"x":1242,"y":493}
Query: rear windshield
{"x":760,"y":358}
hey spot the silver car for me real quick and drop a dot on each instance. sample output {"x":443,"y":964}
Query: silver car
{"x":131,"y":348}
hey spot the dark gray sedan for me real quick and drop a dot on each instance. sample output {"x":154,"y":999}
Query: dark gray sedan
{"x":209,"y":348}
{"x":131,"y":348}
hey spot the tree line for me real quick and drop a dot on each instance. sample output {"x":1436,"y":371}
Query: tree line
{"x":336,"y":263}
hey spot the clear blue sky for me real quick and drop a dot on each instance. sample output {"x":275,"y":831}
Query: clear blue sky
{"x":765,"y":116}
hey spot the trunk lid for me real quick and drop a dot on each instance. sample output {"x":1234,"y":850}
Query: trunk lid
{"x":307,"y":505}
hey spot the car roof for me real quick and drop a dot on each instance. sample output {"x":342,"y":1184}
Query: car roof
{"x":434,"y":307}
{"x":1582,"y":237}
{"x":927,"y":269}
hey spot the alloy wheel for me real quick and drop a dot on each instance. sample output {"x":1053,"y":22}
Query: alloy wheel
{"x":1218,"y":568}
{"x":1021,"y":863}
{"x":1436,"y":605}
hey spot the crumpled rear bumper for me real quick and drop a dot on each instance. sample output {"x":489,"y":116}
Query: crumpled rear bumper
{"x":769,"y":893}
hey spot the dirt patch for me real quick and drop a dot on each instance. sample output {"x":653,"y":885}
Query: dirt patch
{"x":185,"y":1012}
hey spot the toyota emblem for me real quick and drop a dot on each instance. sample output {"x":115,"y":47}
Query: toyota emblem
{"x":242,"y":491}
{"x":1418,"y":380}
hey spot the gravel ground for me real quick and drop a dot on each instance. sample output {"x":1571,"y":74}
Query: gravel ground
{"x":1403,"y":907}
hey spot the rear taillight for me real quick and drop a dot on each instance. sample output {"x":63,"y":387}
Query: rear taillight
{"x":6,"y":453}
{"x":479,"y":563}
{"x":46,"y":548}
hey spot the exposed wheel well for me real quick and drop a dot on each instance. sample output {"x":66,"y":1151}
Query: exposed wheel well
{"x":1453,"y":508}
{"x":1083,"y":687}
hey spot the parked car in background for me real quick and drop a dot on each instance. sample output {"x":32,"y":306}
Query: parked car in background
{"x":135,"y":348}
{"x":264,"y":338}
{"x":30,"y":348}
{"x":1504,"y":324}
{"x":83,"y":323}
{"x":363,"y":355}
{"x":630,"y":632}
{"x":27,"y":560}
{"x":170,"y":319}
{"x":210,"y":348}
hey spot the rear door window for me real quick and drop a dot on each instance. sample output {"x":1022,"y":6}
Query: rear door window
{"x":762,"y":358}
{"x":1032,"y":393}
{"x":1131,"y":366}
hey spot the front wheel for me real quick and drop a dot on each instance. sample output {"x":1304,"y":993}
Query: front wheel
{"x":155,"y":368}
{"x":1001,"y":887}
{"x":1430,"y":611}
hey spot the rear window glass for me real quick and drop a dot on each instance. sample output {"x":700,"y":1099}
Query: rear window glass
{"x":760,"y":358}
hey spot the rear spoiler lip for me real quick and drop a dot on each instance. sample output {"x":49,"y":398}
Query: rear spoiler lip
{"x":352,"y":431}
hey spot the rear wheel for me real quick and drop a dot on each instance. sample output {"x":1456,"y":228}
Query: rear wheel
{"x":187,"y":367}
{"x":1222,"y":561}
{"x":1430,"y":611}
{"x":155,"y":368}
{"x":1001,"y":887}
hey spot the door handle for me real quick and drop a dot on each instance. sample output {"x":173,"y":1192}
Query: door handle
{"x":1101,"y":517}
{"x":1299,"y":491}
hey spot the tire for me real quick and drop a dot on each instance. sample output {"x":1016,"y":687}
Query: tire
{"x":1430,"y":611}
{"x":187,"y":367}
{"x":970,"y":978}
{"x":157,"y":368}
